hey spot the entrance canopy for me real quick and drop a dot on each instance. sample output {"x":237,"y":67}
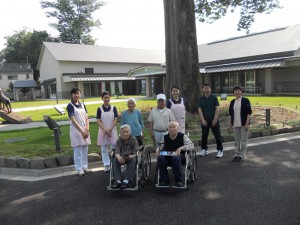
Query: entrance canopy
{"x":92,"y":77}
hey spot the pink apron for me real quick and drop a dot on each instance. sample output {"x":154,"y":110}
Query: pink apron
{"x":75,"y":135}
{"x":179,"y":111}
{"x":107,"y":118}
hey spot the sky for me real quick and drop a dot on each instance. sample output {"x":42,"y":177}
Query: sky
{"x":138,"y":23}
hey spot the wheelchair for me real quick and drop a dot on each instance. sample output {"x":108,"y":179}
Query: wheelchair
{"x":142,"y":171}
{"x":188,"y":169}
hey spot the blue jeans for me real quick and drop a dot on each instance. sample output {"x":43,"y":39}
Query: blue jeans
{"x":216,"y":132}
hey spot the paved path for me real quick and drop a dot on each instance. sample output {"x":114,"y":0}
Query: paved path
{"x":8,"y":127}
{"x":263,"y":190}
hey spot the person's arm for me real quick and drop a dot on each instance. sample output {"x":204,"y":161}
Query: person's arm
{"x":215,"y":120}
{"x":109,"y":130}
{"x":81,"y":129}
{"x":151,"y":127}
{"x":249,"y":112}
{"x":171,"y":116}
{"x":87,"y":121}
{"x":117,"y":152}
{"x":202,"y":120}
{"x":123,"y":121}
{"x":141,"y":122}
{"x":216,"y":116}
{"x":135,"y":148}
{"x":187,"y":145}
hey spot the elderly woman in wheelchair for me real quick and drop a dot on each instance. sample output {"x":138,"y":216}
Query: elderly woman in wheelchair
{"x":128,"y":154}
{"x":176,"y":151}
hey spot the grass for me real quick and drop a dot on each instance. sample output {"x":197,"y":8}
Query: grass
{"x":40,"y":141}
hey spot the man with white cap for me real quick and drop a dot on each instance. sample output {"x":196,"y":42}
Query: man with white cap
{"x":159,"y":119}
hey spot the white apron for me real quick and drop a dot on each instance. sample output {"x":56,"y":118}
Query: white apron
{"x":107,"y":119}
{"x":179,"y":112}
{"x":75,"y":135}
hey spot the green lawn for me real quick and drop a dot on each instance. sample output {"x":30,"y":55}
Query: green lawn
{"x":40,"y":141}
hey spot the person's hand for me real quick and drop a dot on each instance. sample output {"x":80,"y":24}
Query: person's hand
{"x":214,"y":122}
{"x":178,"y":151}
{"x":108,"y":132}
{"x":152,"y":137}
{"x":247,"y":126}
{"x":121,"y":159}
{"x":85,"y":134}
{"x":204,"y":123}
{"x":130,"y":157}
{"x":157,"y":151}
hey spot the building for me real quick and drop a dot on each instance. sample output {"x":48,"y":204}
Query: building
{"x":20,"y":74}
{"x":265,"y":63}
{"x":92,"y":69}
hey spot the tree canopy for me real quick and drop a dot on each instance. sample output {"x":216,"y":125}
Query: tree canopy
{"x":74,"y":19}
{"x":25,"y":46}
{"x":211,"y":10}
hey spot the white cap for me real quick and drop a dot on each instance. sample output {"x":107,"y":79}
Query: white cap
{"x":161,"y":96}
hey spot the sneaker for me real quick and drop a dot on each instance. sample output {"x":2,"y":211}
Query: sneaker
{"x":203,"y":152}
{"x":87,"y":171}
{"x":106,"y":169}
{"x":219,"y":154}
{"x":81,"y":173}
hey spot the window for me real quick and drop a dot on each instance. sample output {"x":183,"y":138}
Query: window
{"x":12,"y":77}
{"x":89,"y":70}
{"x":27,"y":76}
{"x":0,"y":77}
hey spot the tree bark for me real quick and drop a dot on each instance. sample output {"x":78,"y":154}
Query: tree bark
{"x":182,"y":64}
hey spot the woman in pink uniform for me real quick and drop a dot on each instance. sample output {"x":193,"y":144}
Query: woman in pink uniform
{"x":107,"y":116}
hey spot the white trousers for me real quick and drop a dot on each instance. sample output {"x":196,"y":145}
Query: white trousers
{"x":104,"y":154}
{"x":240,"y":138}
{"x":158,"y":137}
{"x":81,"y":157}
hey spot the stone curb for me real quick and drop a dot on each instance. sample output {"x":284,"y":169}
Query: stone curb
{"x":95,"y":159}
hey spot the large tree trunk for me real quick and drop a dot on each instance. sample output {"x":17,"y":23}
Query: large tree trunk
{"x":182,"y":64}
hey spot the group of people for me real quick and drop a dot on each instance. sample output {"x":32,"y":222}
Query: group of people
{"x":167,"y":130}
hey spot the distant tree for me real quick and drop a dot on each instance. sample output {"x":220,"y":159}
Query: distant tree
{"x":182,"y":63}
{"x":74,"y":19}
{"x":25,"y":46}
{"x":212,"y":10}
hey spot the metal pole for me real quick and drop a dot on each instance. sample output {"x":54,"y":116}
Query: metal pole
{"x":268,"y":117}
{"x":57,"y":140}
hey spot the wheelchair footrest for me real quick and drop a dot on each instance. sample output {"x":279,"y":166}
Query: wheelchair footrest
{"x":109,"y":188}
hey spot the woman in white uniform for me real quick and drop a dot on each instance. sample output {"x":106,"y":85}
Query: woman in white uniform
{"x":177,"y":106}
{"x":107,"y":117}
{"x":79,"y":132}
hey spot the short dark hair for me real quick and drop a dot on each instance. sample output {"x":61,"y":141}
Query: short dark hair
{"x":206,"y":85}
{"x":75,"y":90}
{"x":237,"y":88}
{"x":175,"y":87}
{"x":104,"y":93}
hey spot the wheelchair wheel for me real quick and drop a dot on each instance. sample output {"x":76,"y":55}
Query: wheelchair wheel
{"x":146,"y":165}
{"x":193,"y":167}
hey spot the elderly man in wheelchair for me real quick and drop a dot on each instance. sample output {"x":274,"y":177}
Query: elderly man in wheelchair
{"x":174,"y":148}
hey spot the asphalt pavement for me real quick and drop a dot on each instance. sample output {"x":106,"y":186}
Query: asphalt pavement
{"x":262,"y":190}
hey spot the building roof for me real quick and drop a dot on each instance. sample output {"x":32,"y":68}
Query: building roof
{"x":24,"y":84}
{"x":94,"y":53}
{"x":281,"y":42}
